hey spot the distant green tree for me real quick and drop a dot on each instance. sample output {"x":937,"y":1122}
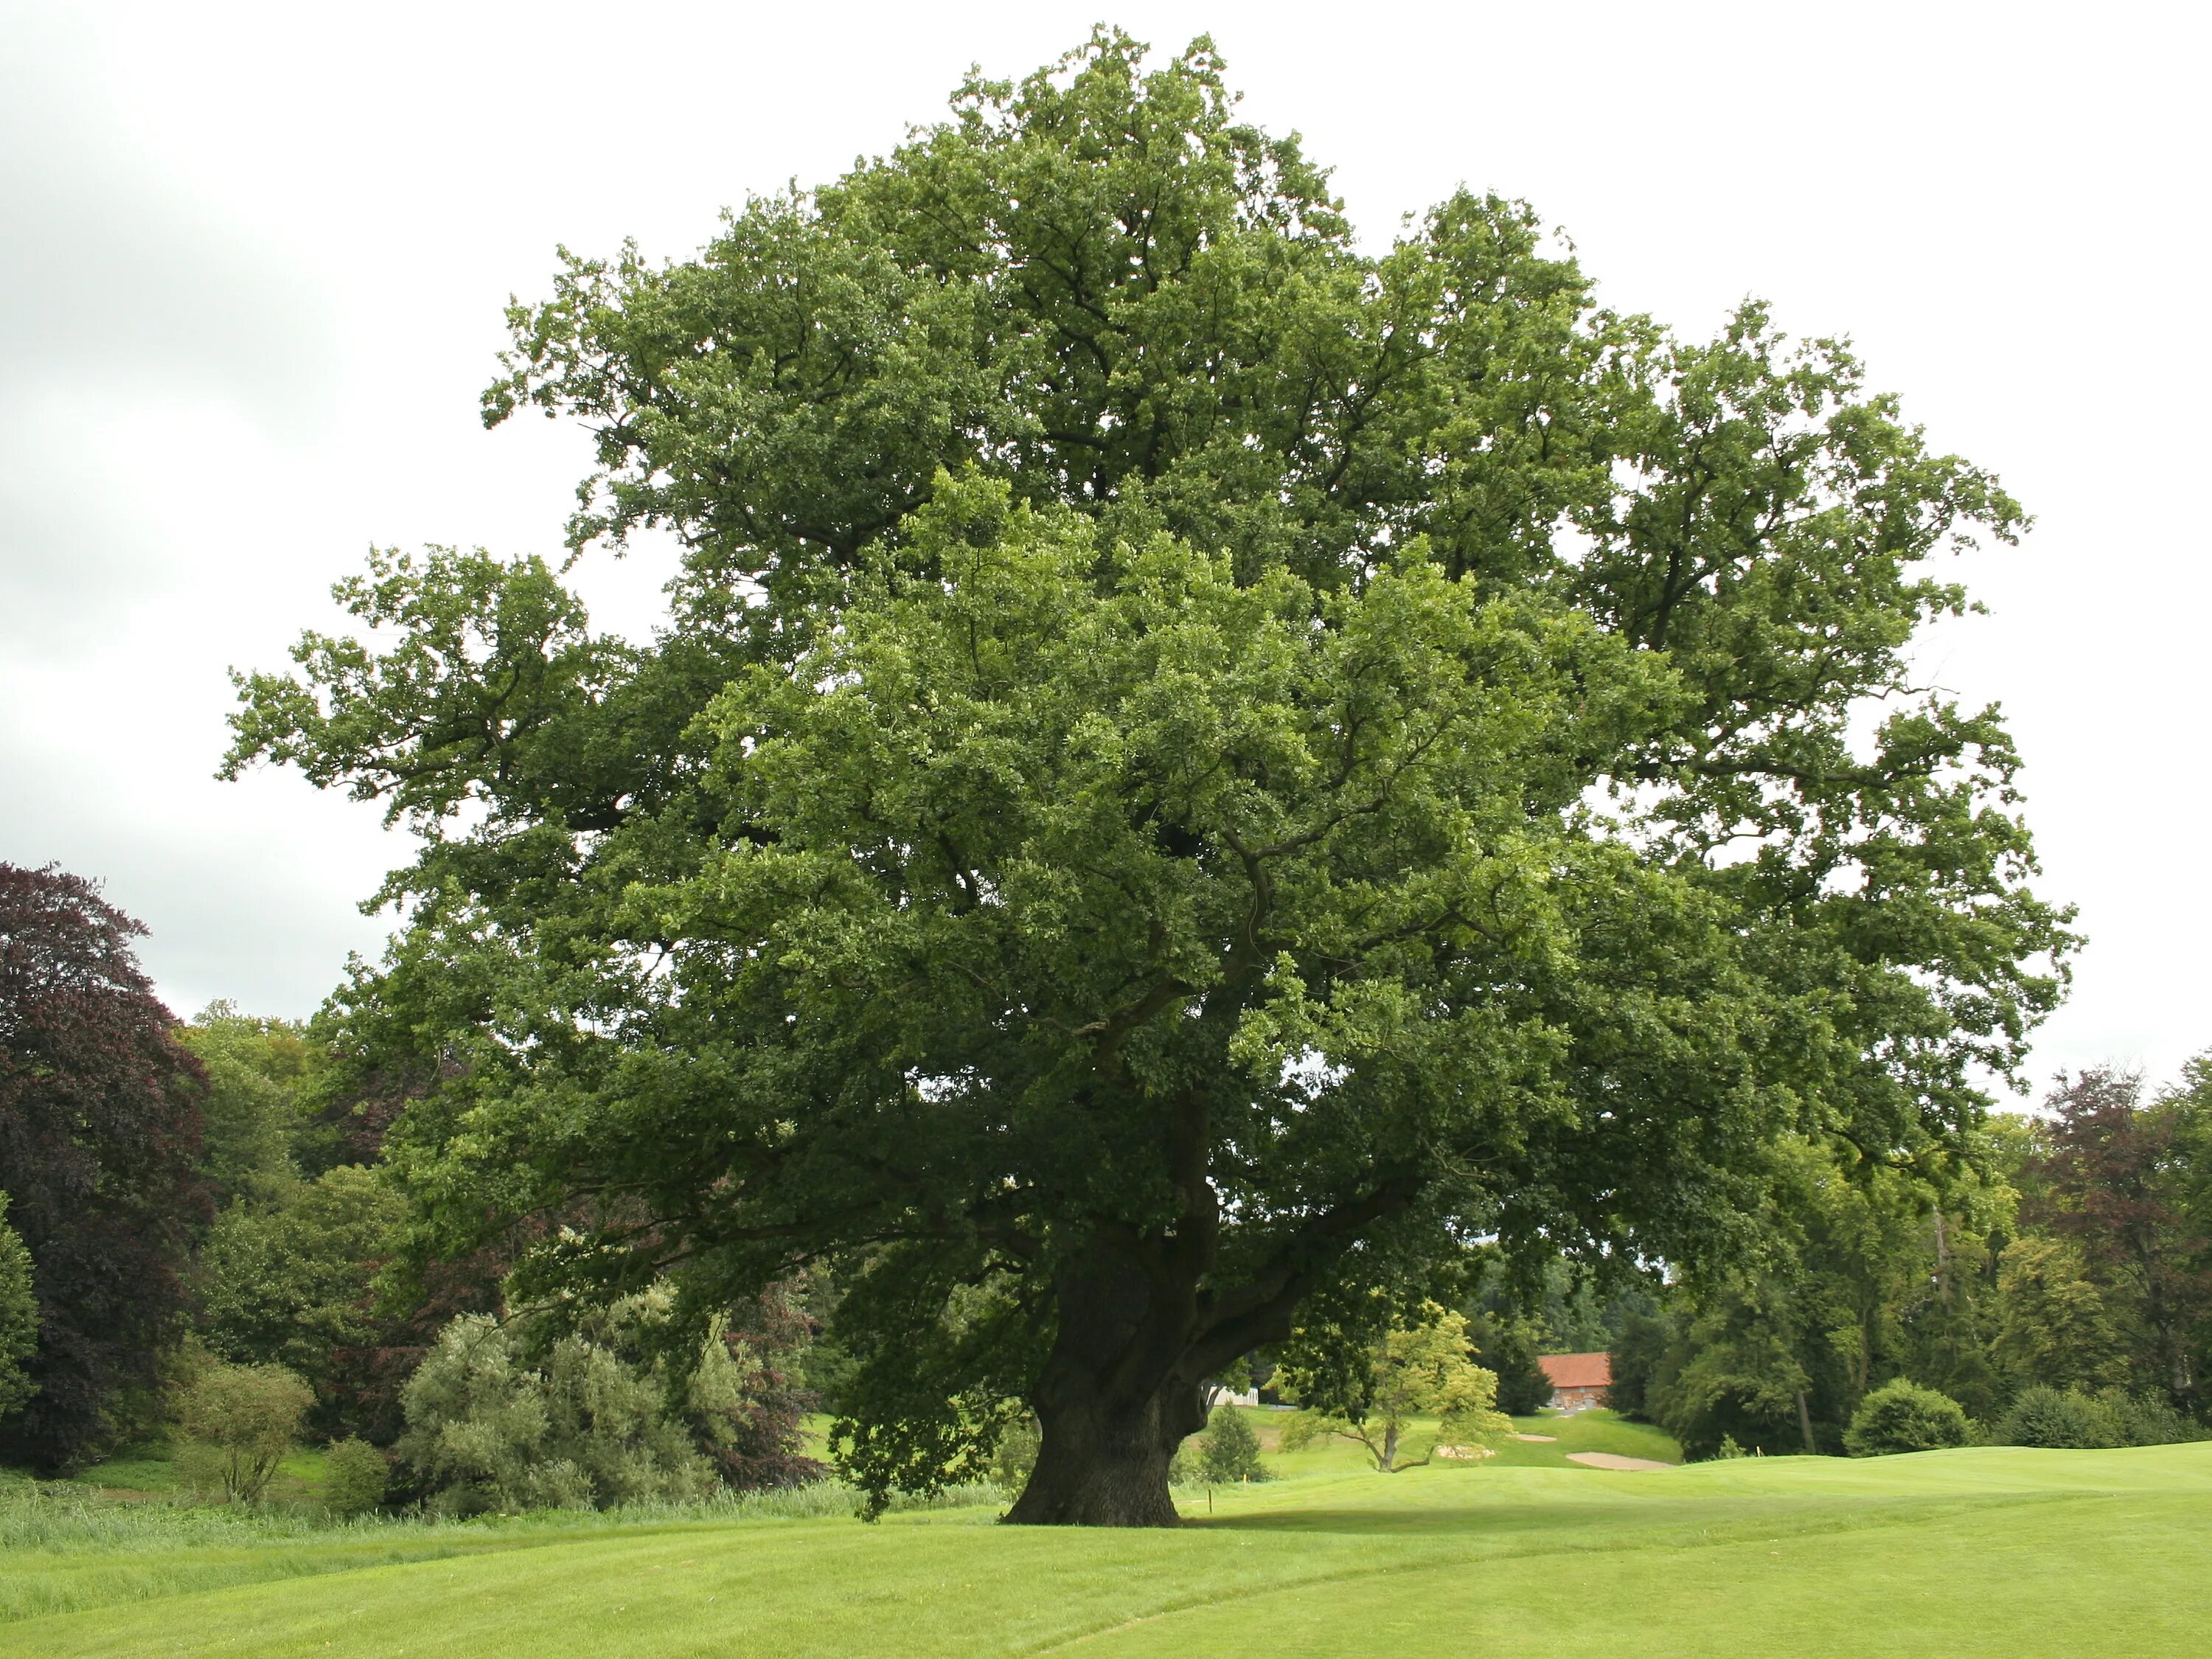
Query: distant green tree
{"x":252,"y":1113}
{"x":585,"y":1428}
{"x":1419,"y":1368}
{"x":1015,"y":1455}
{"x":2054,"y":1329}
{"x":1229,"y":1449}
{"x":1901,"y":1416}
{"x":1507,"y":1346}
{"x":1737,"y":1372}
{"x":2062,"y":1419}
{"x":1636,"y":1356}
{"x":19,"y":1317}
{"x":290,"y":1280}
{"x":239,"y":1422}
{"x":597,"y":1415}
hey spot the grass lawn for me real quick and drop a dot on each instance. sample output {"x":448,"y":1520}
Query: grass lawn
{"x":1996,"y":1552}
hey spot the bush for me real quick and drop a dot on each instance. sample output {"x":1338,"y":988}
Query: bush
{"x":2075,"y":1419}
{"x":354,"y":1477}
{"x":589,"y":1428}
{"x":2146,"y":1421}
{"x":1903,"y":1416}
{"x":1228,"y":1449}
{"x":239,"y":1422}
{"x":2043,"y":1416}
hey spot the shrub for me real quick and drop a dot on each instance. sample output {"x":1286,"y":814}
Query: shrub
{"x":1228,"y":1449}
{"x":354,"y":1477}
{"x":239,"y":1421}
{"x":589,"y":1429}
{"x":2043,"y":1416}
{"x":1903,"y":1416}
{"x":2147,"y":1420}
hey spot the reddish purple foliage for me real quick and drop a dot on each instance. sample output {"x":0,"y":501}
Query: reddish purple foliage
{"x":764,"y":1450}
{"x":2115,"y":1181}
{"x":100,"y":1142}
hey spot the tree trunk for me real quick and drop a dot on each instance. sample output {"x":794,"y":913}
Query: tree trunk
{"x":1104,"y":1462}
{"x":1120,"y":1389}
{"x":1805,"y":1425}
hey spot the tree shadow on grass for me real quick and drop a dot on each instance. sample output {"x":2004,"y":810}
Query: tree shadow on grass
{"x":1476,"y":1521}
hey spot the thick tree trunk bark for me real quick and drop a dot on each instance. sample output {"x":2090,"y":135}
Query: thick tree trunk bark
{"x":1104,"y":1462}
{"x":1120,"y":1390}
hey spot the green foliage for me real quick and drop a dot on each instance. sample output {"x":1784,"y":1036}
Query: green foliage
{"x":600,"y":1416}
{"x":2055,"y":1331}
{"x":291,"y":1282}
{"x":1016,"y":1454}
{"x":1639,"y":1354}
{"x":1507,"y":1347}
{"x":1180,"y":748}
{"x":1229,"y":1449}
{"x":1418,"y":1369}
{"x":253,"y":1122}
{"x":2078,"y":1419}
{"x":19,"y":1317}
{"x":239,"y":1421}
{"x":355,"y":1477}
{"x":2043,"y":1416}
{"x":489,"y":1431}
{"x":1901,"y":1416}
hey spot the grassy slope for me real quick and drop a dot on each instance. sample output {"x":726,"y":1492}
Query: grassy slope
{"x":1985,"y":1551}
{"x":1594,"y":1430}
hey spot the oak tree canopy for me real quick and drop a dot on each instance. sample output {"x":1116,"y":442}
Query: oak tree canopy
{"x":1192,"y":768}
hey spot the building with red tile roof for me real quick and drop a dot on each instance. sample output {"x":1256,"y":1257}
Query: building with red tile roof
{"x":1578,"y":1380}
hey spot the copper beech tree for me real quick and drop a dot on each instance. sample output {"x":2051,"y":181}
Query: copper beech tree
{"x":1190,"y":770}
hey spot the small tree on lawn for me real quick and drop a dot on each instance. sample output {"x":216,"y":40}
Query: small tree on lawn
{"x":1229,"y":1449}
{"x":356,"y":1478}
{"x":1415,"y":1371}
{"x":239,"y":1421}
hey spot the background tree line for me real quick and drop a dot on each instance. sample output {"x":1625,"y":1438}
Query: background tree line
{"x":2057,"y":1286}
{"x":187,"y":1199}
{"x":198,"y":1235}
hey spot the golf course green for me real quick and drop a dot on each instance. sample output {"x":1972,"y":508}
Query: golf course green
{"x":2001,"y":1552}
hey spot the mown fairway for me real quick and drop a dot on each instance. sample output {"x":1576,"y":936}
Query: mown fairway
{"x":1997,"y":1551}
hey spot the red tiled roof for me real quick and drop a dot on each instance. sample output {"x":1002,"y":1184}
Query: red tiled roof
{"x":1577,"y":1370}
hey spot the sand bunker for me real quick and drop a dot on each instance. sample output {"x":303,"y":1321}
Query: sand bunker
{"x":1613,"y":1461}
{"x":1546,"y":1438}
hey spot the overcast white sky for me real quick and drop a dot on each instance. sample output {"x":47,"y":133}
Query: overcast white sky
{"x":253,"y":261}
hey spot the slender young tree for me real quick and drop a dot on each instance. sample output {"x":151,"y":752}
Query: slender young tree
{"x":1190,"y":768}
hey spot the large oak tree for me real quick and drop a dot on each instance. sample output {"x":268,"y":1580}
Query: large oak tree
{"x":1190,"y":768}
